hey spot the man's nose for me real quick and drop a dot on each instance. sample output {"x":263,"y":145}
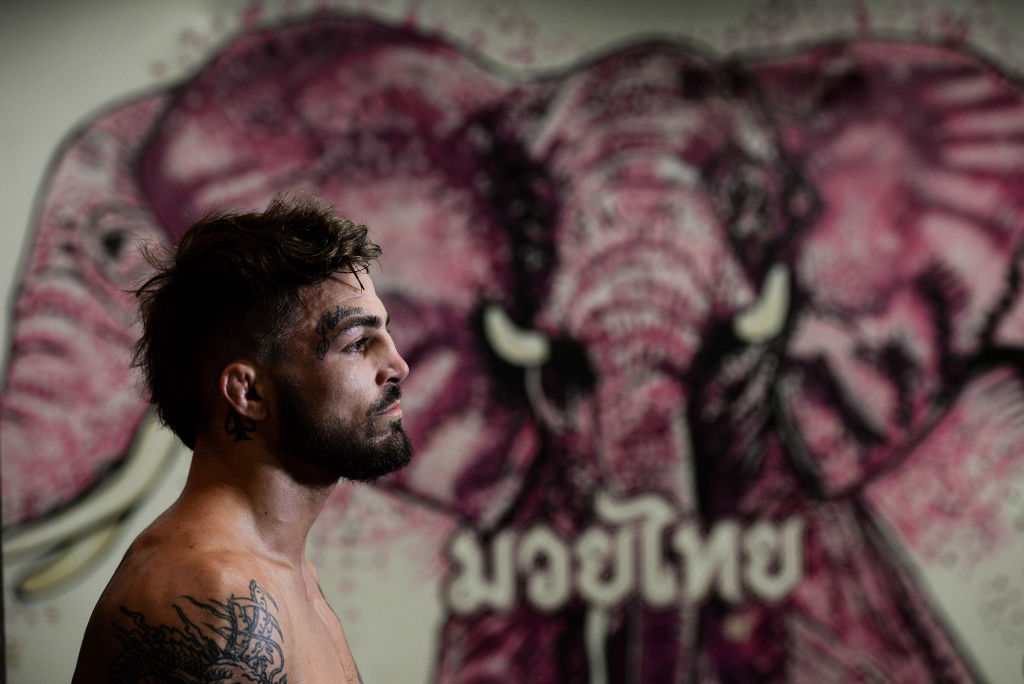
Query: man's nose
{"x":395,"y":369}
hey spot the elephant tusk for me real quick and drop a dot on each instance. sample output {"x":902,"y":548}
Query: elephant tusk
{"x":523,"y":348}
{"x":153,"y":449}
{"x":765,"y":318}
{"x":69,"y":563}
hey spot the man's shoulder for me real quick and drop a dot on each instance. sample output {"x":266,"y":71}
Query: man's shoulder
{"x":217,"y":632}
{"x":196,"y":615}
{"x":196,"y":578}
{"x":150,"y":577}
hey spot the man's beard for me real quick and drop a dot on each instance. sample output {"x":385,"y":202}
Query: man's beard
{"x":354,"y":452}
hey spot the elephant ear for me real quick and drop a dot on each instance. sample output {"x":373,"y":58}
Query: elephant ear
{"x":71,"y":403}
{"x":407,"y":134}
{"x":908,"y":277}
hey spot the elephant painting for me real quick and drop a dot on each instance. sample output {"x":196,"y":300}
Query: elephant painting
{"x":698,"y":344}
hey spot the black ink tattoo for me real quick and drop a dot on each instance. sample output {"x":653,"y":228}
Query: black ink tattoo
{"x":334,"y":323}
{"x":327,"y":329}
{"x":239,"y":426}
{"x":241,"y":643}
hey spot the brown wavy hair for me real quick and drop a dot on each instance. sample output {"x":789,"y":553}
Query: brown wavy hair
{"x":232,"y":288}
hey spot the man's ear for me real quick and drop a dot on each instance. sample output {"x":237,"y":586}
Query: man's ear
{"x":242,"y":386}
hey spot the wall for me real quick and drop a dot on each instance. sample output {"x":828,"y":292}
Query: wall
{"x":726,"y":346}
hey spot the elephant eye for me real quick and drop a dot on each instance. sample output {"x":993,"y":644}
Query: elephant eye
{"x":556,"y":371}
{"x":744,"y":200}
{"x":113,"y":242}
{"x":759,"y":203}
{"x":111,"y":237}
{"x":569,"y":374}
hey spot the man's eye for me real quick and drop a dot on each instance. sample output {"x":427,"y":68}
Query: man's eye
{"x":358,"y":345}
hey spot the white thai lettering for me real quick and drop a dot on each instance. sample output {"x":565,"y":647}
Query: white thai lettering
{"x":657,"y":582}
{"x":594,"y":552}
{"x":704,"y":560}
{"x":544,"y":556}
{"x":470,"y":591}
{"x":761,"y":544}
{"x":625,"y":556}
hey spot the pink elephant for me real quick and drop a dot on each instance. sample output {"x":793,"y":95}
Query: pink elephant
{"x":715,"y":312}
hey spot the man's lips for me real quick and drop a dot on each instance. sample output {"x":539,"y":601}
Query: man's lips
{"x":389,"y":404}
{"x":394,"y":409}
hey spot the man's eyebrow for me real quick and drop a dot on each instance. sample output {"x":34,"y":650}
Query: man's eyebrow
{"x":364,"y":321}
{"x":339,"y":320}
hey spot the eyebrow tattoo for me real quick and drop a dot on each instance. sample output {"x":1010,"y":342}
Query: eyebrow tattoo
{"x":338,"y":321}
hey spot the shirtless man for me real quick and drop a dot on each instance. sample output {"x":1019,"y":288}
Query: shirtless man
{"x":266,"y":349}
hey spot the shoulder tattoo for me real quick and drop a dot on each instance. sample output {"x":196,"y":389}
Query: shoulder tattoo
{"x":239,"y":640}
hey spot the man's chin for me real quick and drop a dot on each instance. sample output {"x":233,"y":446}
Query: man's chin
{"x":319,"y":456}
{"x":385,"y":457}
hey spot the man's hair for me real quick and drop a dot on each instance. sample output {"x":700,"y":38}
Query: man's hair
{"x":232,"y":289}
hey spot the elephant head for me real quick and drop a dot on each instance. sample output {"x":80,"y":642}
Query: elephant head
{"x":409,"y":135}
{"x":70,"y":401}
{"x":648,"y":357}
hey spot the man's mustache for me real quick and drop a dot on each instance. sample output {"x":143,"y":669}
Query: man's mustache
{"x":392,"y":393}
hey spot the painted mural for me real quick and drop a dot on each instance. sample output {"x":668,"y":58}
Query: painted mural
{"x":701,"y":346}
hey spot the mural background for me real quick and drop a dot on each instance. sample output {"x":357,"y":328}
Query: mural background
{"x":64,"y":62}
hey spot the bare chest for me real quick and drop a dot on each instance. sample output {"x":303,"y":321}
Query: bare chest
{"x":316,"y":649}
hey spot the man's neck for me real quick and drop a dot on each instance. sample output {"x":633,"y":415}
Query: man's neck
{"x":244,"y":486}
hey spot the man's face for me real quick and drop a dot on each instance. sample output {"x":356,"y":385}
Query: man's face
{"x":337,"y":391}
